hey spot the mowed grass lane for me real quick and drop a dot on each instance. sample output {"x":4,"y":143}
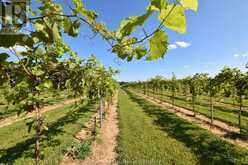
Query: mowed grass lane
{"x":148,"y":132}
{"x":143,"y":142}
{"x":17,"y":145}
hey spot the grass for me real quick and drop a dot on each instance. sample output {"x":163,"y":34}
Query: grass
{"x":10,"y":110}
{"x":142,"y":142}
{"x":152,"y":133}
{"x":17,"y":145}
{"x":225,"y":114}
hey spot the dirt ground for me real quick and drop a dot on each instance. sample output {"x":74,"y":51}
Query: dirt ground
{"x":103,"y":148}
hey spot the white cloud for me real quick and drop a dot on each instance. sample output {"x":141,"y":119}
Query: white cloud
{"x":236,"y":55}
{"x":179,"y":44}
{"x":172,"y":46}
{"x":240,"y":55}
{"x":183,"y":44}
{"x":244,"y":55}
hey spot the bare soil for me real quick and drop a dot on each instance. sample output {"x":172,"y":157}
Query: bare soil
{"x":103,"y":148}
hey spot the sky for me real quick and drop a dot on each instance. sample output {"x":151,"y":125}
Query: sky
{"x":216,"y":36}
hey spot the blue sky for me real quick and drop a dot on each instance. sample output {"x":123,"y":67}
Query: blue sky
{"x":216,"y":36}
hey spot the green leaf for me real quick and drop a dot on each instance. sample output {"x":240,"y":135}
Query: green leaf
{"x":48,"y":84}
{"x":38,"y":72}
{"x":56,"y":33}
{"x":174,"y":18}
{"x":74,"y":30}
{"x":129,"y":58}
{"x":10,"y":40}
{"x":67,"y":24}
{"x":39,"y":26}
{"x":158,"y":45}
{"x":3,"y":57}
{"x":128,"y":25}
{"x":157,"y":5}
{"x":190,"y":4}
{"x":45,"y":127}
{"x":89,"y":14}
{"x":140,"y":52}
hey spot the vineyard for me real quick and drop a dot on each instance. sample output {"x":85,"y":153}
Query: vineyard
{"x":59,"y":106}
{"x":223,"y":97}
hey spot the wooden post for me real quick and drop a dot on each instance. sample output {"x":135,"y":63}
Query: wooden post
{"x":240,"y":113}
{"x":103,"y":108}
{"x":193,"y":104}
{"x":101,"y":112}
{"x":108,"y":105}
{"x":212,"y":109}
{"x":38,"y":133}
{"x":94,"y":128}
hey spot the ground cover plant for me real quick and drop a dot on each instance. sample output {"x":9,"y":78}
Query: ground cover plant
{"x":206,"y":147}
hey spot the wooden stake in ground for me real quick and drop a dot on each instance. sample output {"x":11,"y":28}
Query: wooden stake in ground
{"x":103,"y":149}
{"x":101,"y":112}
{"x":38,"y":134}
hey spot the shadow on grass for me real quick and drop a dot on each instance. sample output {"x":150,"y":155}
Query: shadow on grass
{"x":25,"y":149}
{"x":244,"y":133}
{"x":222,"y":108}
{"x":209,"y":149}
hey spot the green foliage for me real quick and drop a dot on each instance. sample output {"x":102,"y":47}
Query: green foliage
{"x":158,"y":45}
{"x":3,"y":57}
{"x":173,"y":17}
{"x":128,"y":25}
{"x":158,"y":5}
{"x":64,"y":123}
{"x":48,"y":63}
{"x":190,"y":4}
{"x":230,"y":84}
{"x":50,"y":21}
{"x":81,"y":149}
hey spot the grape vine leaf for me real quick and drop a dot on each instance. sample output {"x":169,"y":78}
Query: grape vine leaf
{"x":174,"y":18}
{"x":67,"y":24}
{"x":190,"y":4}
{"x":75,"y":27}
{"x":158,"y":45}
{"x":128,"y":25}
{"x":158,"y":5}
{"x":3,"y":57}
{"x":56,"y":33}
{"x":140,"y":51}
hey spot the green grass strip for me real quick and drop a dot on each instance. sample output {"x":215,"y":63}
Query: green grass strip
{"x":143,"y":142}
{"x":175,"y":140}
{"x":17,"y":145}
